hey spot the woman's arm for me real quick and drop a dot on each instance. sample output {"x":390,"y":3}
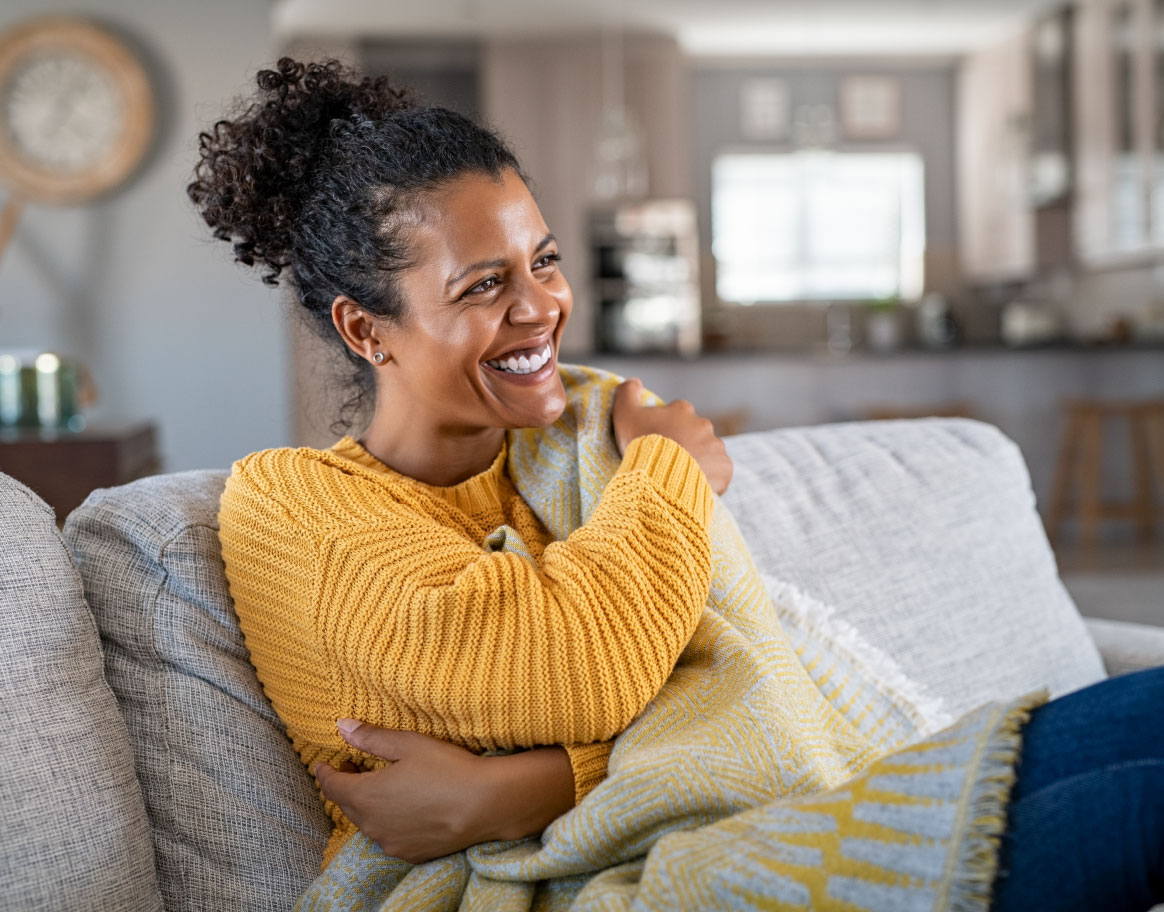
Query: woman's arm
{"x":566,"y":654}
{"x":436,"y":798}
{"x":424,"y":630}
{"x":677,"y":421}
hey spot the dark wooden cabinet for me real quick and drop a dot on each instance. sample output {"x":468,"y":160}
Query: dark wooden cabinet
{"x":64,"y":466}
{"x":1051,"y":128}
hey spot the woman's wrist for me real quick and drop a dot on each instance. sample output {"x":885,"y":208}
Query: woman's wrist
{"x":525,"y":792}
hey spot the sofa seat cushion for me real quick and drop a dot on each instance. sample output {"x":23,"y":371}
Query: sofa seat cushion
{"x":237,"y":820}
{"x":75,"y":831}
{"x":922,"y":535}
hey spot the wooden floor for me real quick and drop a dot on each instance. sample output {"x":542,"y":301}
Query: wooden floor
{"x":1111,"y":557}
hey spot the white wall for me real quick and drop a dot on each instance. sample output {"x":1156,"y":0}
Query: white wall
{"x":173,"y":330}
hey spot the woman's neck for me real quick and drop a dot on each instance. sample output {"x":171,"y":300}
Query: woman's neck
{"x":429,"y":455}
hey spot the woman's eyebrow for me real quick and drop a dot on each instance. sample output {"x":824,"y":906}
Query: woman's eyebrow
{"x":494,"y":264}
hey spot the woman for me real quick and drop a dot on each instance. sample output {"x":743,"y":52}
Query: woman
{"x":479,"y":355}
{"x":402,"y":578}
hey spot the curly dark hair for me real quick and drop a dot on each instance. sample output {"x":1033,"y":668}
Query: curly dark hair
{"x":317,"y":174}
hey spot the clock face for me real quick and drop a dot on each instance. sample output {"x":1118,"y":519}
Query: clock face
{"x":76,"y":110}
{"x":65,"y":112}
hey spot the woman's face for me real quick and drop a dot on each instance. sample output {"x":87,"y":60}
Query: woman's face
{"x":484,"y":308}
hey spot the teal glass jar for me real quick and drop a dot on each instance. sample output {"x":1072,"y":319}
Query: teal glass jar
{"x":40,"y":392}
{"x":18,"y":398}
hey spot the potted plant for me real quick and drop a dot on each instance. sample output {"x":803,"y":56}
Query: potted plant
{"x":883,"y":331}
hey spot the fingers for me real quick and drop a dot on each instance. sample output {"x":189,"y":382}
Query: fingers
{"x":387,"y":743}
{"x":629,"y":392}
{"x":336,"y":786}
{"x":724,"y":477}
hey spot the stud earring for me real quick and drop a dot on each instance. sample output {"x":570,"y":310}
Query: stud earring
{"x":378,"y":357}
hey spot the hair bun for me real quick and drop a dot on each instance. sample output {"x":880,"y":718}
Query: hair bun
{"x":254,"y":168}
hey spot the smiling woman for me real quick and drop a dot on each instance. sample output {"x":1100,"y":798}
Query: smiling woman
{"x":519,"y":561}
{"x":400,"y":578}
{"x":458,"y":370}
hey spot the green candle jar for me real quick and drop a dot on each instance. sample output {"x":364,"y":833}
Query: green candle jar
{"x":41,"y":393}
{"x":17,"y":393}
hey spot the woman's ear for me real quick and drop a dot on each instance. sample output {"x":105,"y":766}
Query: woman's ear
{"x":359,"y":330}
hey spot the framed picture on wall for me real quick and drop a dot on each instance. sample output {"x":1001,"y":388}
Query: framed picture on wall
{"x":870,"y":107}
{"x":764,"y":109}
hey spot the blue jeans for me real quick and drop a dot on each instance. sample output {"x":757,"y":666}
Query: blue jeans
{"x":1085,"y":823}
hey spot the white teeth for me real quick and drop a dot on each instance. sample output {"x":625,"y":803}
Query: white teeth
{"x":522,"y":364}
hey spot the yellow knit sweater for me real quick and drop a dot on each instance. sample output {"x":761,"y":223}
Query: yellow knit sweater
{"x":366,"y":594}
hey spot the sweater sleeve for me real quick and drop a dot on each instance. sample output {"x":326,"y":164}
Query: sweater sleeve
{"x":425,"y":630}
{"x":588,"y":761}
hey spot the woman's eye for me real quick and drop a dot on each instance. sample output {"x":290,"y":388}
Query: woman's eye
{"x":483,"y":286}
{"x":547,"y":260}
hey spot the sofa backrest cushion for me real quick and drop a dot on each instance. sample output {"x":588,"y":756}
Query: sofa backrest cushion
{"x":74,"y":829}
{"x":923,"y":536}
{"x":237,"y":821}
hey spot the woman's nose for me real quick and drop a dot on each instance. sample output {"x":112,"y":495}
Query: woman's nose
{"x":534,"y":303}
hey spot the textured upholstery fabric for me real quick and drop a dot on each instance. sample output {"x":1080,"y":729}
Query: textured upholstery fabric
{"x":237,"y":822}
{"x":74,"y":828}
{"x":924,"y":536}
{"x":1127,"y":647}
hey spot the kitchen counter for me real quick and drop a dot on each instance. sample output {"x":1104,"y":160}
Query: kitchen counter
{"x":912,"y":351}
{"x":1021,"y":390}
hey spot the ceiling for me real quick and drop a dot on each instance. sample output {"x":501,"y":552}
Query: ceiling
{"x":704,"y":28}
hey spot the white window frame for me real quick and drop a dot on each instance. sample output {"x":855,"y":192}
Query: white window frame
{"x":749,"y":271}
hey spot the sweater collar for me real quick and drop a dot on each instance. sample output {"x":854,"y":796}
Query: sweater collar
{"x":473,"y":495}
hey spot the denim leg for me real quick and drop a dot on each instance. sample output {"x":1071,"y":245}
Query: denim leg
{"x":1085,"y":824}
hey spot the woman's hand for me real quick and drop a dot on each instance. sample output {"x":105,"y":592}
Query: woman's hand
{"x":676,"y":420}
{"x":436,"y":798}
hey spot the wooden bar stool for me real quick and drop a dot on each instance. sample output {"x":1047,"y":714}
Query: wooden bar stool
{"x":1081,"y":461}
{"x":729,"y":423}
{"x":959,"y":409}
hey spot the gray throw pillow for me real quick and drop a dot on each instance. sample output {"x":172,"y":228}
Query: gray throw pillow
{"x":237,"y":821}
{"x":73,"y":828}
{"x":923,"y":536}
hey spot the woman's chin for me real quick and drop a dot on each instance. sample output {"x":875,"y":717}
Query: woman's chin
{"x":544,"y":413}
{"x":543,"y":418}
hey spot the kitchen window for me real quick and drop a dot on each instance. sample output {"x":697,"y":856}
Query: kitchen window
{"x":818,"y":226}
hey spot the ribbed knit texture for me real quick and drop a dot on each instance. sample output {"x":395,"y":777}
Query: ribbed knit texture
{"x":366,"y":594}
{"x":766,"y":774}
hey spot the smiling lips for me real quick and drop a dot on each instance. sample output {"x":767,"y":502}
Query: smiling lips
{"x":523,"y":362}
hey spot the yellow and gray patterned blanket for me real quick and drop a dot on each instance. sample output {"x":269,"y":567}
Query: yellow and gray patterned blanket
{"x":772,"y":771}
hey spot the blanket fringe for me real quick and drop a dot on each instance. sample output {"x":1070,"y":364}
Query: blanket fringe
{"x":926,"y":711}
{"x":976,"y":862}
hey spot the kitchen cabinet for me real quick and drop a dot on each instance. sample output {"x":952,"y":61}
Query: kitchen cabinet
{"x":646,"y":277}
{"x":1051,"y":141}
{"x":552,"y":120}
{"x":1119,"y":131}
{"x":996,"y":223}
{"x":1090,"y":140}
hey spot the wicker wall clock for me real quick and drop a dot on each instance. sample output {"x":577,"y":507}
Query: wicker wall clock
{"x":76,"y":113}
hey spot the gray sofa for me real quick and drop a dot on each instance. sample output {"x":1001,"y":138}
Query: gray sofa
{"x":144,"y":769}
